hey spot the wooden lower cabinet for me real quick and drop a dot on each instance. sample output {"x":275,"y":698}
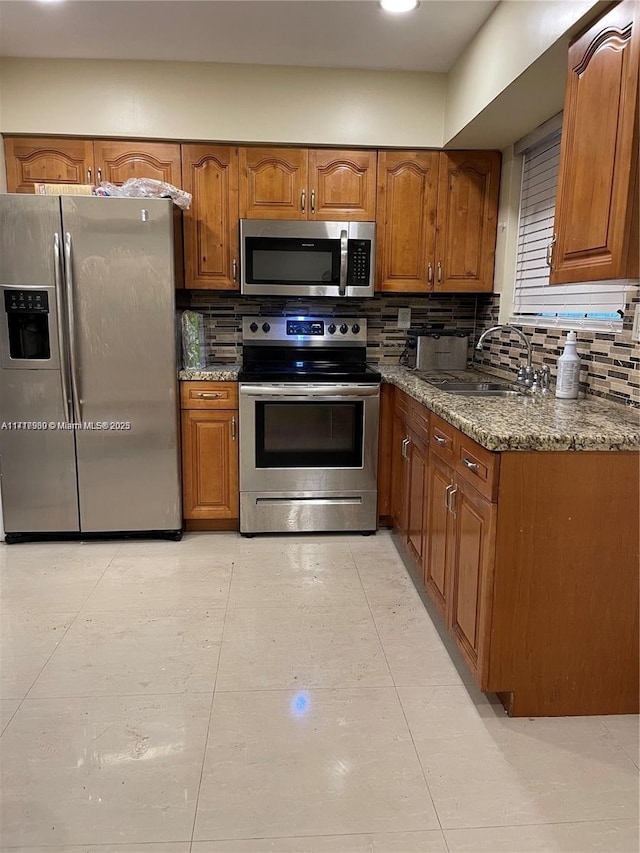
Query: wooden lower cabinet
{"x":408,"y":475}
{"x":438,"y":527}
{"x":416,"y":492}
{"x":531,"y":558}
{"x":210,"y":489}
{"x":472,"y":541}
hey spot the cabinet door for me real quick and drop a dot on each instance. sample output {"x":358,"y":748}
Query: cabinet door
{"x":471,"y":577}
{"x":598,"y":175}
{"x":399,"y":476}
{"x":437,"y":531}
{"x":407,"y":185}
{"x":384,"y":451}
{"x":209,"y":464}
{"x":47,"y":161}
{"x":273,"y":183}
{"x":210,"y":174}
{"x":342,"y":184}
{"x":468,"y":186}
{"x":117,"y":160}
{"x":416,"y":497}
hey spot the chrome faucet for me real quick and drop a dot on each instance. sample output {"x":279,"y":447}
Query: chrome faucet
{"x":525,"y":374}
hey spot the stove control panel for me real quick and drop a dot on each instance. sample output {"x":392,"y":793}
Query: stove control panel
{"x":325,"y":331}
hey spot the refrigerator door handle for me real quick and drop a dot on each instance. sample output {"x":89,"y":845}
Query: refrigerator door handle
{"x":57,"y":275}
{"x":68,"y":260}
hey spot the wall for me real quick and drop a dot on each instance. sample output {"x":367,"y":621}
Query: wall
{"x":240,"y":103}
{"x":508,"y":46}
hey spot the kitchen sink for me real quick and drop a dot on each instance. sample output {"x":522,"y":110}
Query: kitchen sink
{"x":479,"y":389}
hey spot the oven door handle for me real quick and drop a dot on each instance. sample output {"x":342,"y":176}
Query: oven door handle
{"x":326,"y":392}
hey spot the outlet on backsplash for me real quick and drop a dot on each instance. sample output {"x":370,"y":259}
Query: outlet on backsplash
{"x":404,"y":318}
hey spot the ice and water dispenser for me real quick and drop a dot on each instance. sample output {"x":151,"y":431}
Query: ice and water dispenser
{"x":28,"y":337}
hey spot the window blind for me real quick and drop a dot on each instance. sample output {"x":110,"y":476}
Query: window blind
{"x":596,"y":305}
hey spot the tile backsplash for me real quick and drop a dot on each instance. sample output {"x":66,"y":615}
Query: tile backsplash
{"x":610,"y":363}
{"x":223,"y":319}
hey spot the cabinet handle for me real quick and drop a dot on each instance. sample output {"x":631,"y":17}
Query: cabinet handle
{"x":208,"y":395}
{"x":405,"y":444}
{"x":473,"y":466}
{"x":303,"y":196}
{"x":313,"y":201}
{"x":447,"y":495}
{"x":89,"y":173}
{"x":452,"y":494}
{"x":234,"y":269}
{"x":439,"y":272}
{"x":550,"y":246}
{"x":430,"y":272}
{"x":99,"y":174}
{"x":233,"y":428}
{"x":439,"y":439}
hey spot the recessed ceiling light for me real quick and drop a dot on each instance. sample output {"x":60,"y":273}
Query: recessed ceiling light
{"x":397,"y":6}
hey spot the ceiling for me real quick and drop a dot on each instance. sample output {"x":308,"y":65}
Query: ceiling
{"x":330,"y":33}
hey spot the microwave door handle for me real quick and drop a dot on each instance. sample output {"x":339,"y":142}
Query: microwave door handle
{"x":344,"y":245}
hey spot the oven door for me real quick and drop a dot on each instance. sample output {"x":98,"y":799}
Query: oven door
{"x":311,"y":438}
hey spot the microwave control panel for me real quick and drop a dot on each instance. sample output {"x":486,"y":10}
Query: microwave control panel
{"x":358,"y":262}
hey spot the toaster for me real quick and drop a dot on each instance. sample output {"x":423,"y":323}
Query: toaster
{"x":436,"y":349}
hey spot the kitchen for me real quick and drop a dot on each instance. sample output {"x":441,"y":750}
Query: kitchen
{"x":395,"y":111}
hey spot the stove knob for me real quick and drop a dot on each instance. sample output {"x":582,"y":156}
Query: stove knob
{"x":344,"y":329}
{"x":265,"y":327}
{"x":254,"y":327}
{"x":355,"y":328}
{"x":331,"y":328}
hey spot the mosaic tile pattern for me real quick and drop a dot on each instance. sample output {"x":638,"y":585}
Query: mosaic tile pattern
{"x":610,"y":363}
{"x":223,"y":319}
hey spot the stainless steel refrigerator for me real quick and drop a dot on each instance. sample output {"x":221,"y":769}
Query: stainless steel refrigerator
{"x":88,"y":382}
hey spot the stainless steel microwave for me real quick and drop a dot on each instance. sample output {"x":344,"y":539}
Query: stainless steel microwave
{"x":294,"y":258}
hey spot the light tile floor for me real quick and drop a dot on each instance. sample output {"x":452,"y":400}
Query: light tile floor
{"x":229,"y":695}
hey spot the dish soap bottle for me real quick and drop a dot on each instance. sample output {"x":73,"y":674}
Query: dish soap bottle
{"x":568,"y":379}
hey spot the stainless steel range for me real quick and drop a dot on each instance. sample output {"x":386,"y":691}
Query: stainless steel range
{"x":309,"y":410}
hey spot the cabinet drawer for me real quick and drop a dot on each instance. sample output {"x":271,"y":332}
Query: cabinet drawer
{"x":478,"y":466}
{"x":401,"y":403}
{"x":209,"y":395}
{"x":442,"y":439}
{"x":419,"y":420}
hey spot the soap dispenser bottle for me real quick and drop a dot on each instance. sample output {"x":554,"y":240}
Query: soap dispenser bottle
{"x":568,"y":379}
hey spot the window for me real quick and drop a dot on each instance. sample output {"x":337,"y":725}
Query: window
{"x":596,"y":305}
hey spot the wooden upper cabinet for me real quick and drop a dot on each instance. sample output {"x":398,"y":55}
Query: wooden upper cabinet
{"x":273,"y":183}
{"x":118,"y":160}
{"x":33,"y":160}
{"x":596,"y":235}
{"x":342,"y":185}
{"x":298,"y":183}
{"x":468,"y":188}
{"x":210,"y":174}
{"x":407,"y":183}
